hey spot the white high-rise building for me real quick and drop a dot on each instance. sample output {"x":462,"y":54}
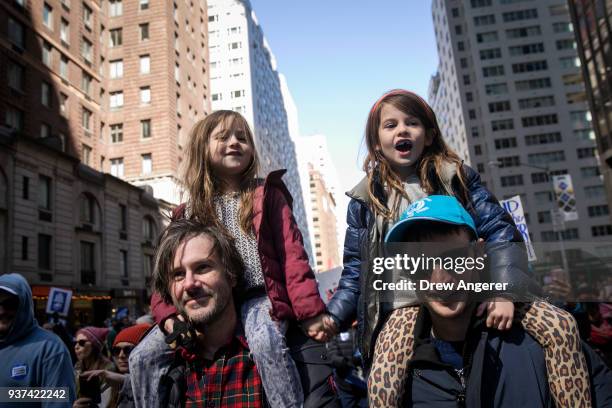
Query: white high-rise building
{"x":244,"y":78}
{"x":510,"y":98}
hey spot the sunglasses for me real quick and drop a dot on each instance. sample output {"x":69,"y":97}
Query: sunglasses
{"x":126,"y":350}
{"x":11,"y":302}
{"x":82,"y":342}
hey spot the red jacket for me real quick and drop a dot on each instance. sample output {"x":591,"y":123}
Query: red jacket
{"x":290,"y":283}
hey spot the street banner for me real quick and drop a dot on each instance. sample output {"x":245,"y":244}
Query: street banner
{"x":59,"y":301}
{"x":514,"y":206}
{"x":565,"y":197}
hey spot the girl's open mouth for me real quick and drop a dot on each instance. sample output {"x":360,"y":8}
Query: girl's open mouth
{"x":403,"y":146}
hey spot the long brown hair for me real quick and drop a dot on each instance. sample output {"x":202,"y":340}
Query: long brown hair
{"x":200,"y":181}
{"x":430,"y":164}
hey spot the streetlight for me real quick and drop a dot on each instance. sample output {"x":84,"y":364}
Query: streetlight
{"x":554,"y":213}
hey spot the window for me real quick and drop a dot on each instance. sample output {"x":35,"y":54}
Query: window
{"x":14,"y":118}
{"x":496,"y":89}
{"x":116,"y":68}
{"x":455,"y":12}
{"x":566,"y":44}
{"x":540,"y":177}
{"x":44,"y":252}
{"x":484,"y":20}
{"x":514,"y":180}
{"x":472,"y":114}
{"x":491,"y":53}
{"x":503,"y":124}
{"x":145,"y":64}
{"x":543,"y":138}
{"x":16,"y":33}
{"x":526,"y":49}
{"x":563,"y":27}
{"x":463,"y":62}
{"x":116,"y":133}
{"x":460,"y":46}
{"x":487,"y":37}
{"x":466,"y":80}
{"x":530,"y":84}
{"x":501,"y":106}
{"x":144,"y":31}
{"x":540,"y":120}
{"x":598,"y":210}
{"x":541,"y":159}
{"x":591,"y":171}
{"x":495,"y":70}
{"x":122,"y":217}
{"x":87,"y":16}
{"x":480,"y":3}
{"x":44,"y":192}
{"x":117,"y":167}
{"x":116,"y":37}
{"x":15,"y":76}
{"x":86,"y":80}
{"x":520,"y":15}
{"x":45,"y":131}
{"x":25,"y":189}
{"x":148,"y":229}
{"x":506,"y":143}
{"x":145,"y":95}
{"x":559,"y":10}
{"x":65,"y":31}
{"x":115,"y":8}
{"x":477,"y":150}
{"x":64,"y":67}
{"x":569,"y":62}
{"x":508,"y":161}
{"x":523,"y":32}
{"x":147,"y":163}
{"x":88,"y":272}
{"x":86,"y":121}
{"x":87,"y":50}
{"x":24,"y":248}
{"x":45,"y":94}
{"x":585,"y":152}
{"x":458,"y":29}
{"x":536,"y":102}
{"x":594,"y":191}
{"x":601,"y":230}
{"x":144,"y":4}
{"x":116,"y":99}
{"x":86,"y":153}
{"x":123,"y":263}
{"x":145,"y":128}
{"x":529,"y":66}
{"x":47,"y":54}
{"x":48,"y":16}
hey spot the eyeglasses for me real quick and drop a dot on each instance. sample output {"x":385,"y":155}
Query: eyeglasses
{"x":126,"y":350}
{"x":82,"y":342}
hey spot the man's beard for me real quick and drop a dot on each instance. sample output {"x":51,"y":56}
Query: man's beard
{"x":204,"y":315}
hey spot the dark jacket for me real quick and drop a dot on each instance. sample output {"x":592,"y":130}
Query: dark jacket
{"x":501,"y":369}
{"x":290,"y":282}
{"x":363,"y":242}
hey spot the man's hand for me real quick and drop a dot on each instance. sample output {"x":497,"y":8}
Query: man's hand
{"x":115,"y":380}
{"x":315,"y":328}
{"x":500,"y":312}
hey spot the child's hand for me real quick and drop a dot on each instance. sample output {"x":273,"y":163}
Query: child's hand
{"x":315,"y":328}
{"x":500,"y":312}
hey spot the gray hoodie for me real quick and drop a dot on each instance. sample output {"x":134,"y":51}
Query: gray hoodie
{"x":29,"y":355}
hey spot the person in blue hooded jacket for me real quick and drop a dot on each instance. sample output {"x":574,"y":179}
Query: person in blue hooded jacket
{"x":30,"y":356}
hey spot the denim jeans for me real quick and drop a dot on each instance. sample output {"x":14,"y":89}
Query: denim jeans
{"x":266,"y":338}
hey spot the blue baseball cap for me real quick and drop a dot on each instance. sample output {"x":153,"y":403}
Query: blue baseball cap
{"x":439,"y":208}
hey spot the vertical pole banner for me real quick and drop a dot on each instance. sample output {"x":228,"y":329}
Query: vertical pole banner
{"x":565,"y":197}
{"x":514,"y":206}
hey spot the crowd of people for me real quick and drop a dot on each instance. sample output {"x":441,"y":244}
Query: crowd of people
{"x":237,"y":319}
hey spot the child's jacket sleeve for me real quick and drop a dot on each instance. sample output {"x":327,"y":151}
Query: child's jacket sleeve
{"x":343,"y":305}
{"x":508,"y":263}
{"x":288,"y":243}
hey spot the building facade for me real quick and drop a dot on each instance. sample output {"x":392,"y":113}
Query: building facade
{"x":511,"y":78}
{"x":64,"y":224}
{"x":120,"y":83}
{"x":592,"y":22}
{"x":244,"y":78}
{"x":327,"y":251}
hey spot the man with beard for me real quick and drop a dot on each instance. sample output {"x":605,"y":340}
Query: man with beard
{"x":196,"y":269}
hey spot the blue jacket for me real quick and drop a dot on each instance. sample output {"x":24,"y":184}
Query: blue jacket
{"x":29,"y":355}
{"x":500,"y":369}
{"x":355,"y":296}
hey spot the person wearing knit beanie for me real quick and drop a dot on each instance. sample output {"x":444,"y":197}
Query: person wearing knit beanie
{"x":96,"y":335}
{"x":132,"y":334}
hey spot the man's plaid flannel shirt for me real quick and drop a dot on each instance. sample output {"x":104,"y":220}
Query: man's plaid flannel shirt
{"x":230,"y":380}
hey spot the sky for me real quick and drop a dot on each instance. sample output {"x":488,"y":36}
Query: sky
{"x":339,"y":56}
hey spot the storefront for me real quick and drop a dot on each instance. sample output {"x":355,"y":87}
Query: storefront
{"x":88,"y":307}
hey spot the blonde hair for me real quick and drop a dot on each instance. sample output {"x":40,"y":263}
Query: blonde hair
{"x":430,"y":164}
{"x":200,"y":181}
